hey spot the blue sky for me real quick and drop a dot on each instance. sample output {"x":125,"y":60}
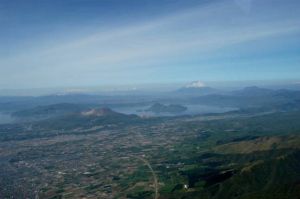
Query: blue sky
{"x":69,"y":43}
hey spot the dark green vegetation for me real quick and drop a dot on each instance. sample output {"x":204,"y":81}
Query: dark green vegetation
{"x":99,"y":153}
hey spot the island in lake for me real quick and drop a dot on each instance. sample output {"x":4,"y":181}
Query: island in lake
{"x":161,"y":108}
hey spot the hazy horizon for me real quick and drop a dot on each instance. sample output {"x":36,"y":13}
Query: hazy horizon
{"x":148,"y":88}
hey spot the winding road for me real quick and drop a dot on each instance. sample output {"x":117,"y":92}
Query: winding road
{"x":153,"y":174}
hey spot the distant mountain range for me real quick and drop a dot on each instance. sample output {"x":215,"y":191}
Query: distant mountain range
{"x":254,"y":97}
{"x":195,"y":93}
{"x":196,"y":88}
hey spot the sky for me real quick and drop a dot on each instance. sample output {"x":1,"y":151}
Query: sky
{"x":71,"y":43}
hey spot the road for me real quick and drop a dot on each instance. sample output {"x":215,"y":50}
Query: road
{"x":153,"y":174}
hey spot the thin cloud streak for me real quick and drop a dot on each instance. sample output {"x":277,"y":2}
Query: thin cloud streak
{"x":135,"y":43}
{"x":204,"y":30}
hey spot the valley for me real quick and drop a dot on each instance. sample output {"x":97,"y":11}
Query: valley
{"x":70,"y":150}
{"x":190,"y":157}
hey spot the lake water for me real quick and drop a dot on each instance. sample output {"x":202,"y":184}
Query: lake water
{"x":191,"y":110}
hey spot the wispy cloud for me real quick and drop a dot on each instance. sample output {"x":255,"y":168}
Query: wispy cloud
{"x":203,"y":29}
{"x":165,"y":36}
